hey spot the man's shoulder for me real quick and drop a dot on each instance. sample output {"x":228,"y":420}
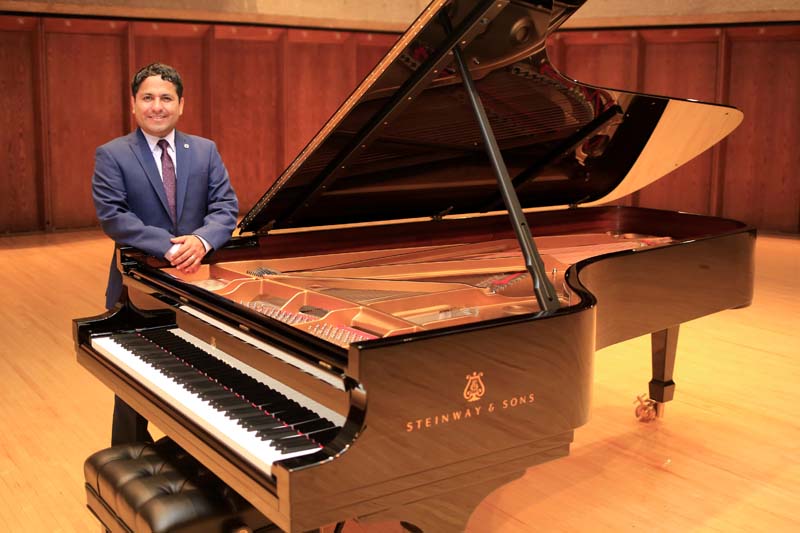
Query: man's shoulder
{"x":119,"y":142}
{"x":188,"y":138}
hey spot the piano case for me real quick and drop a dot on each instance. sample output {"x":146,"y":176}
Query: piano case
{"x":383,"y":339}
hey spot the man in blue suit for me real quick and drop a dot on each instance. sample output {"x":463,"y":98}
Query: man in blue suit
{"x":162,"y":191}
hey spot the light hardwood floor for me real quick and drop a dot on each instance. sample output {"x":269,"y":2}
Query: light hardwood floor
{"x":725,"y":458}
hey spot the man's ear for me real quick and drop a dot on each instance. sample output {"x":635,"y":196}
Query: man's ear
{"x":133,"y":105}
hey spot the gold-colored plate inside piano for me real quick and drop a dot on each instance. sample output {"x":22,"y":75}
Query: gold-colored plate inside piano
{"x":370,"y":294}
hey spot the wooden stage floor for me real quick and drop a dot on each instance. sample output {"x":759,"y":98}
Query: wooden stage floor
{"x":725,"y":458}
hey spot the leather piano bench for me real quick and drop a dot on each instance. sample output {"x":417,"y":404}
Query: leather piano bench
{"x":158,"y":488}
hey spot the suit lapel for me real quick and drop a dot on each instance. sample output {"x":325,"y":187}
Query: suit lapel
{"x":142,"y":151}
{"x":183,"y":150}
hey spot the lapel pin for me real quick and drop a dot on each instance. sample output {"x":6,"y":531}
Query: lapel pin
{"x":186,"y":146}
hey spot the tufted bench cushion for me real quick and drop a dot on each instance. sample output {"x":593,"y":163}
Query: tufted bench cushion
{"x":156,"y":488}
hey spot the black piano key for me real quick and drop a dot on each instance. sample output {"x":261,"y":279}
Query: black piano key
{"x":162,"y":358}
{"x":236,"y":412}
{"x":266,"y":396}
{"x":203,"y":385}
{"x":226,"y":401}
{"x":273,"y":402}
{"x":294,"y":444}
{"x":235,"y":404}
{"x":154,"y":359}
{"x":261,"y":423}
{"x":181,"y":375}
{"x":266,"y":422}
{"x":276,"y":433}
{"x":255,"y":415}
{"x":309,"y":426}
{"x":205,"y":393}
{"x":130,"y":339}
{"x":152,"y":355}
{"x":214,"y":394}
{"x":295,"y":416}
{"x":225,"y":373}
{"x":193,"y":360}
{"x":175,"y":364}
{"x":196,"y":379}
{"x":210,"y":366}
{"x":324,"y":436}
{"x":249,"y":387}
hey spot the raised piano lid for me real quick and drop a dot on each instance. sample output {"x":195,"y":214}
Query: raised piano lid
{"x":406,"y":143}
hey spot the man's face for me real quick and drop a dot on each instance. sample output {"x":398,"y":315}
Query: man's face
{"x":156,"y":106}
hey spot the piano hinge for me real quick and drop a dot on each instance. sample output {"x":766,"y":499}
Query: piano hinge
{"x":266,"y":228}
{"x":441,"y":214}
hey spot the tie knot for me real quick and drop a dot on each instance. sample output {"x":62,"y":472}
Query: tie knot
{"x":163,"y":144}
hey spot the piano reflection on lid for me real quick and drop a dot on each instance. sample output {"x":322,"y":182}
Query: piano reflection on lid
{"x":409,"y":317}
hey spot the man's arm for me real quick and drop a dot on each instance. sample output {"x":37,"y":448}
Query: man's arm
{"x":116,"y":218}
{"x":218,"y":223}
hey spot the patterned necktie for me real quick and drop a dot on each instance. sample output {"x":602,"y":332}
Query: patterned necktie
{"x":168,"y":176}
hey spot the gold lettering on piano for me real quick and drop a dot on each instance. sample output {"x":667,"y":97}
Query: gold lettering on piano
{"x":475,"y":389}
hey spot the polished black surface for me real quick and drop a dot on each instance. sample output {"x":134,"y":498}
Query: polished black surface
{"x":406,"y":144}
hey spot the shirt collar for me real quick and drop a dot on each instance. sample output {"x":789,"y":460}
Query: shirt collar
{"x":153,"y":141}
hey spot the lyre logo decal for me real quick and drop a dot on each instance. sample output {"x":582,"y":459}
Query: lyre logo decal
{"x":475,"y":388}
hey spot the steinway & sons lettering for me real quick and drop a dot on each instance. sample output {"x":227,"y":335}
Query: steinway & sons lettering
{"x":468,"y":413}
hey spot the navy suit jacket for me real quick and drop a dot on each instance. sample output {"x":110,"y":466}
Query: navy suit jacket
{"x":131,"y":203}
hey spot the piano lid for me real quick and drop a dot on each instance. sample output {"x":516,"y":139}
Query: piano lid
{"x":406,"y":143}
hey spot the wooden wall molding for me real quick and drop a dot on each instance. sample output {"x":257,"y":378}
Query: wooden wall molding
{"x":375,"y":15}
{"x":396,"y":15}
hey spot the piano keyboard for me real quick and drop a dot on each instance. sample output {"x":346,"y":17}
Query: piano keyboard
{"x":259,"y":418}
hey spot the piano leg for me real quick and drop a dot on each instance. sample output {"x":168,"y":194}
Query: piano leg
{"x":664,"y":346}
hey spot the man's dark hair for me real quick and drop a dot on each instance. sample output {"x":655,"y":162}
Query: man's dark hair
{"x":166,"y":72}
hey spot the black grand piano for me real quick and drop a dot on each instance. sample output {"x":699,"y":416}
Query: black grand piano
{"x":409,"y":316}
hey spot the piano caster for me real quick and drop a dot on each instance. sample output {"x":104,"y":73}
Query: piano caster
{"x":648,"y":409}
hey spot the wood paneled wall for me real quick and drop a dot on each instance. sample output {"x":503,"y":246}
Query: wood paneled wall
{"x":262,"y":92}
{"x":753,"y":175}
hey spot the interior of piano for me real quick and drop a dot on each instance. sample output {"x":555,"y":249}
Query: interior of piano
{"x":357,"y":296}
